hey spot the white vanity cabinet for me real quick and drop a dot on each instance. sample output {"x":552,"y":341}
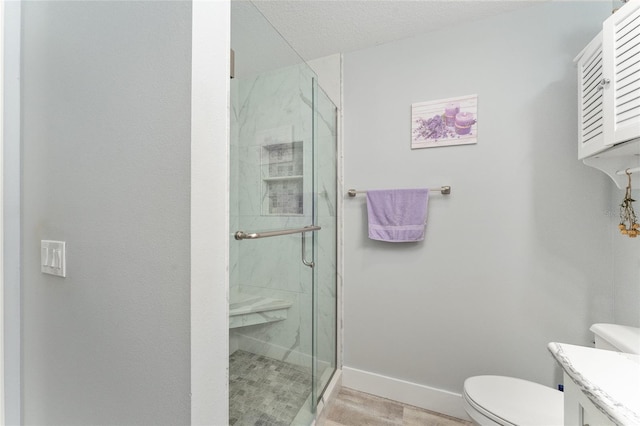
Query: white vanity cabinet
{"x":609,"y":83}
{"x":601,"y":387}
{"x":578,"y":409}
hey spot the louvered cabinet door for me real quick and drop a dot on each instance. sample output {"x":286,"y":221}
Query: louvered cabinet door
{"x":621,"y":53}
{"x":590,"y":99}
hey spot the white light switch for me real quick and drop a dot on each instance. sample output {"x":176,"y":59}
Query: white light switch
{"x":53,"y":259}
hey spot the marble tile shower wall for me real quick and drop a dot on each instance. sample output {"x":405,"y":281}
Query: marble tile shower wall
{"x":275,"y":103}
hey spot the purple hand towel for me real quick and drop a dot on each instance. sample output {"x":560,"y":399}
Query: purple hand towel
{"x":397,"y":215}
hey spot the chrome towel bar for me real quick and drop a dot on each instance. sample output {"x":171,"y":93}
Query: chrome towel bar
{"x":443,"y":189}
{"x":241,"y":235}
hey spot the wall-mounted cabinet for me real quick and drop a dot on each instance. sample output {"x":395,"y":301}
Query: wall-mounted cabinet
{"x":609,"y":95}
{"x":621,"y":56}
{"x":590,"y":103}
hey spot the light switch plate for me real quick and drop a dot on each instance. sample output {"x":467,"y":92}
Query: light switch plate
{"x":53,"y":258}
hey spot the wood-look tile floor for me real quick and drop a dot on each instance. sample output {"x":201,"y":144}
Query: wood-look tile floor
{"x":353,"y":408}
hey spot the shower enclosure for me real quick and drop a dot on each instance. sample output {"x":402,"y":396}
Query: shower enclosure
{"x":283,"y":217}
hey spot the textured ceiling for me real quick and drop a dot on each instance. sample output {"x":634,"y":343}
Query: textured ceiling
{"x":317,"y":28}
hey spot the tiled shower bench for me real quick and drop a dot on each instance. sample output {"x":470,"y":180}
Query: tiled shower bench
{"x":252,"y":310}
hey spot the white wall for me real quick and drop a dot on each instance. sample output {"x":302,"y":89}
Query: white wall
{"x":2,"y":212}
{"x":106,"y":92}
{"x":210,"y":212}
{"x":11,"y":207}
{"x":626,"y":264}
{"x":519,"y":254}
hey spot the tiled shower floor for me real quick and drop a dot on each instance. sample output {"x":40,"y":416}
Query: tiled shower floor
{"x":264,"y":391}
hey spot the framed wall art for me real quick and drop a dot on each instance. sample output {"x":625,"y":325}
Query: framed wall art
{"x":445,"y":122}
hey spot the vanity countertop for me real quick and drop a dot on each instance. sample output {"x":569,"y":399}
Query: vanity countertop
{"x":611,"y":380}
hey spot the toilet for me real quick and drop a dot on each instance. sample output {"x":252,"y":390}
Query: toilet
{"x":507,"y":401}
{"x":499,"y":400}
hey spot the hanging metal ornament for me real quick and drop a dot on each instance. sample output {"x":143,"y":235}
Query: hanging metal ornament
{"x":628,"y":220}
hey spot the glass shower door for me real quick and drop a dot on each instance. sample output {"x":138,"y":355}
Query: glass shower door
{"x":272,"y":190}
{"x":282,"y":273}
{"x":325,"y":215}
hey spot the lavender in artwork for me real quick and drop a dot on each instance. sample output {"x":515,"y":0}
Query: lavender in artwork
{"x":433,"y":128}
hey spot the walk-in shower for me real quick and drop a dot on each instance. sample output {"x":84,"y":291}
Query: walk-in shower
{"x":283,"y":214}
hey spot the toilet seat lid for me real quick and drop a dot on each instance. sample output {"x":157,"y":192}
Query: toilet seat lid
{"x":508,"y":400}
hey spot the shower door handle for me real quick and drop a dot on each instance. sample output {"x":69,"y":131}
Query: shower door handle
{"x":309,"y":263}
{"x":241,"y":235}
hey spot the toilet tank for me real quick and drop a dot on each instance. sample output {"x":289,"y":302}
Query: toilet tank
{"x":616,"y":337}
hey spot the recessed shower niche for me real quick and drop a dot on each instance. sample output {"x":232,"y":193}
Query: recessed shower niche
{"x":282,"y":177}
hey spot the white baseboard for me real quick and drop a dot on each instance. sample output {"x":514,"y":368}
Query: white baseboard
{"x":421,"y":396}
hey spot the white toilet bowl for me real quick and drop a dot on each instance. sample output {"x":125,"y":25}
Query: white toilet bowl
{"x":507,"y":401}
